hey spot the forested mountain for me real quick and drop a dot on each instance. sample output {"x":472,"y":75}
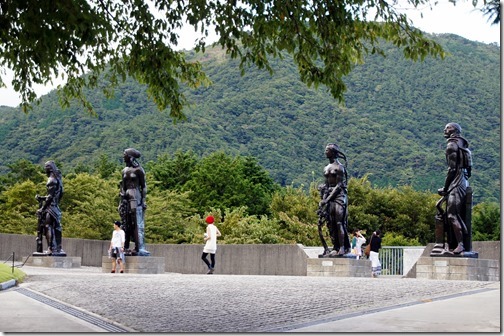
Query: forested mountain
{"x":390,"y":127}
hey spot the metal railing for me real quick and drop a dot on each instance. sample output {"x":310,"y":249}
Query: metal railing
{"x":13,"y":258}
{"x":393,"y":259}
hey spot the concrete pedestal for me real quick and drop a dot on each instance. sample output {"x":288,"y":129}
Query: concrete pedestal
{"x":339,"y":267}
{"x":135,"y":264}
{"x":55,"y":262}
{"x":440,"y":268}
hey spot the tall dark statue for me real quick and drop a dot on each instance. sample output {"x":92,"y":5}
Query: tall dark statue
{"x":453,"y":231}
{"x":49,"y":213}
{"x":132,"y":206}
{"x":333,"y":205}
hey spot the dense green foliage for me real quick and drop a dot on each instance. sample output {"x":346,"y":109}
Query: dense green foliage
{"x":252,"y":150}
{"x":390,"y":128}
{"x":89,"y":206}
{"x":402,"y":210}
{"x":138,"y":38}
{"x":486,"y":221}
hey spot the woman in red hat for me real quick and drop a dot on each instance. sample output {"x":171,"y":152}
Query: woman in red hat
{"x":210,"y":238}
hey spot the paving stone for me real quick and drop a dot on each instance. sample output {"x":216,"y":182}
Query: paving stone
{"x":173,"y":302}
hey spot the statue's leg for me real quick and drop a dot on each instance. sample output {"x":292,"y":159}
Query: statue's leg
{"x":341,"y":238}
{"x":40,"y":233}
{"x":333,"y":235}
{"x":49,"y":237}
{"x":58,"y":233}
{"x":140,"y":228}
{"x":127,"y":239}
{"x":49,"y":233}
{"x":134,"y":228}
{"x":126,"y":222}
{"x":457,"y":231}
{"x":57,"y":236}
{"x":452,"y":210}
{"x":348,"y":245}
{"x":340,"y":230}
{"x":331,"y":226}
{"x":127,"y":234}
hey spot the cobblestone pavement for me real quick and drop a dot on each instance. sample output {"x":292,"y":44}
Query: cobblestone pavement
{"x":173,"y":302}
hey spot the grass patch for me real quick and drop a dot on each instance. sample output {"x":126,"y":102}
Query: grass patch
{"x":6,"y":273}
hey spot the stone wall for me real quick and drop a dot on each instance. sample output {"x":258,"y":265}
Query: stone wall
{"x":230,"y":259}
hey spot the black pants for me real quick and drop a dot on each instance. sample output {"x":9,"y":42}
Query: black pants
{"x":212,"y":259}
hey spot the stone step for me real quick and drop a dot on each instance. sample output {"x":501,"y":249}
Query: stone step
{"x":135,"y":264}
{"x":55,"y":262}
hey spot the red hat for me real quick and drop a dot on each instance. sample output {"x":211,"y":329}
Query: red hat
{"x":209,"y":220}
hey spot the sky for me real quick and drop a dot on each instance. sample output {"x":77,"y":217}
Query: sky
{"x":461,"y":19}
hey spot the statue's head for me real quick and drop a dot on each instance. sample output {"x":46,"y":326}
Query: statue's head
{"x":130,"y":155}
{"x":132,"y":152}
{"x":50,"y":166}
{"x":452,"y":129}
{"x":333,"y":150}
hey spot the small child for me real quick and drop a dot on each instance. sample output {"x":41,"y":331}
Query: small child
{"x":359,"y":240}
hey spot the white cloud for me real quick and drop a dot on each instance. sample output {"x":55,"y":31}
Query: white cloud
{"x":462,"y":19}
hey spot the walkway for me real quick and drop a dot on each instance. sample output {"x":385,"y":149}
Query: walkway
{"x":87,"y":300}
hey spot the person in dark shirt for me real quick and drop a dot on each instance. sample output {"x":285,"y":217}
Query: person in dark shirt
{"x":375,"y":242}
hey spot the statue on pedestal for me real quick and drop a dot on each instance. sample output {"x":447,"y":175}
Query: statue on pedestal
{"x":132,"y":205}
{"x":453,"y":218}
{"x":49,"y":213}
{"x":333,"y":206}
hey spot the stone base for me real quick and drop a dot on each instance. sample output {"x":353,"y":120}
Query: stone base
{"x":54,"y":261}
{"x":448,"y":254}
{"x":441,"y":251}
{"x":348,"y":255}
{"x":48,"y":254}
{"x":331,"y":253}
{"x":339,"y":267}
{"x":133,"y":253}
{"x":449,"y":268}
{"x":135,"y":264}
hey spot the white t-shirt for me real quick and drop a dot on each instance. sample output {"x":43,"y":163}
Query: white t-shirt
{"x":358,"y":245}
{"x":211,"y":244}
{"x":118,"y":238}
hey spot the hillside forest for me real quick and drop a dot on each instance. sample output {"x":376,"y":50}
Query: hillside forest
{"x":251,"y":150}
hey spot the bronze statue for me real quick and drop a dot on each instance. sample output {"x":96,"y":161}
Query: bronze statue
{"x":49,"y":213}
{"x":333,"y":207}
{"x":452,"y":230}
{"x":132,"y":205}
